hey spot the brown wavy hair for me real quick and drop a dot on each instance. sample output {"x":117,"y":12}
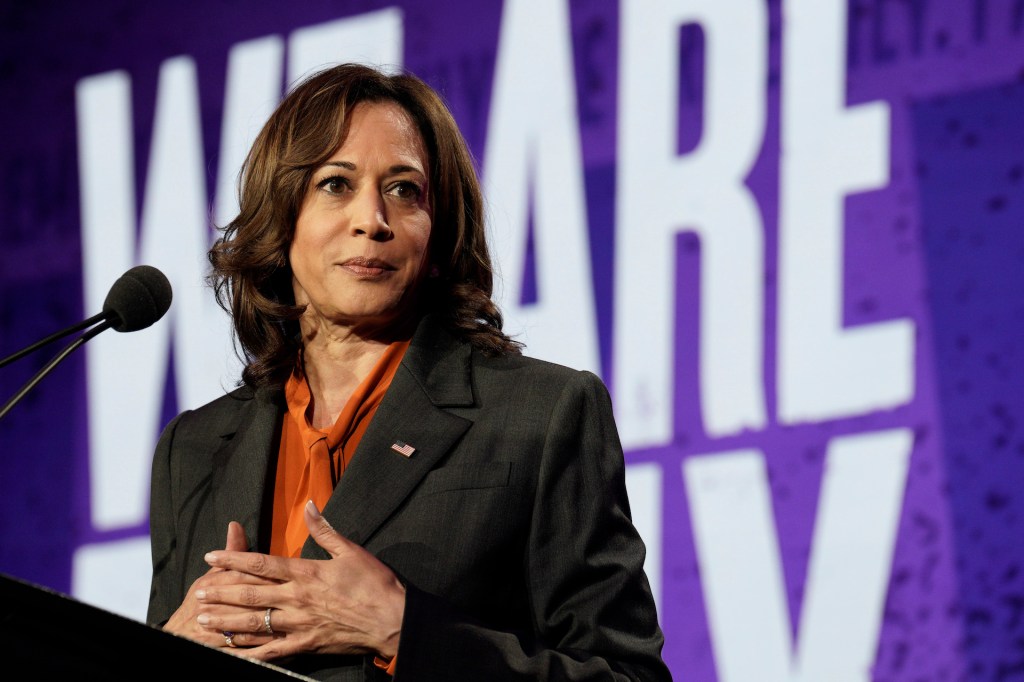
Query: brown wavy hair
{"x":251,"y":275}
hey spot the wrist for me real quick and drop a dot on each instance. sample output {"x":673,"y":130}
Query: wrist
{"x":390,"y":622}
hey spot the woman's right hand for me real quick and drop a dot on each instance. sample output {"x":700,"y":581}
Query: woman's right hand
{"x":184,"y":620}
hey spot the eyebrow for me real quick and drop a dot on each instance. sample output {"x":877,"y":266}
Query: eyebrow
{"x":393,"y":170}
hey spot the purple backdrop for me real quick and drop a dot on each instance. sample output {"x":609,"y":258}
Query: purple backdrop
{"x":941,"y":244}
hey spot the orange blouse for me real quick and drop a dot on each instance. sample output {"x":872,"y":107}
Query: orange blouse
{"x":310,"y":461}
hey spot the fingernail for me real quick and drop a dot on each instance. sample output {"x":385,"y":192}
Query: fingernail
{"x":311,"y":508}
{"x":210,"y":557}
{"x":200,"y":594}
{"x":203,"y":619}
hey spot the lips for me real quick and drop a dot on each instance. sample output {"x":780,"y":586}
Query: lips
{"x":366,"y":267}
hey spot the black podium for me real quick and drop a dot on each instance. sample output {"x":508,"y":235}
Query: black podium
{"x":53,"y":636}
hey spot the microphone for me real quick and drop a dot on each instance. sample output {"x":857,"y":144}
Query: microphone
{"x":135,"y":301}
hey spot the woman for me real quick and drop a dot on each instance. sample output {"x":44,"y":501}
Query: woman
{"x":474,"y":516}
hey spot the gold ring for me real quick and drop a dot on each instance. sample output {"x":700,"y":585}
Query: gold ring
{"x":266,"y":622}
{"x":229,"y":639}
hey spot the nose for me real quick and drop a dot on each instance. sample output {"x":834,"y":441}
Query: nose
{"x":368,"y":215}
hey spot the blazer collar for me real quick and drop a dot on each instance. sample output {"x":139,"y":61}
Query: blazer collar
{"x":435,"y":373}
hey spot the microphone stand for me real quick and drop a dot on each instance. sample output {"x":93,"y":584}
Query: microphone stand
{"x":106,"y":324}
{"x":53,"y":337}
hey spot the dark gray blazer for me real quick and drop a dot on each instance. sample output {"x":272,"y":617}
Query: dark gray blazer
{"x":509,"y":523}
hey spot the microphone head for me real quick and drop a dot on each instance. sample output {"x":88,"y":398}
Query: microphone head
{"x":137,"y":299}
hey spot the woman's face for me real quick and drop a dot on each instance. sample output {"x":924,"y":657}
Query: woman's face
{"x":360,"y":248}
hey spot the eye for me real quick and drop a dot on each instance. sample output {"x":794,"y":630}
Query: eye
{"x":405,"y":190}
{"x":334,"y":184}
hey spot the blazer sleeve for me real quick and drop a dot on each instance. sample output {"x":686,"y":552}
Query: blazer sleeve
{"x":165,"y":594}
{"x":593,"y":614}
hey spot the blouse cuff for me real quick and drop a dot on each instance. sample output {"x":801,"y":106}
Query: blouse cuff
{"x":386,"y":665}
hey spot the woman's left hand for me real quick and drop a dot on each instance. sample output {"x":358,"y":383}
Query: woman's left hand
{"x":350,"y":604}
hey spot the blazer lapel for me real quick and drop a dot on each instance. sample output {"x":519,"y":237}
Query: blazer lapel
{"x":242,"y":466}
{"x":434,"y":373}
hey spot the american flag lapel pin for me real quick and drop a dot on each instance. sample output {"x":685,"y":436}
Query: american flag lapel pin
{"x":403,"y":449}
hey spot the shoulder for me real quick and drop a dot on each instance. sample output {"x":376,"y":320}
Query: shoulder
{"x":521,"y":378}
{"x":438,"y":357}
{"x":220,"y":408}
{"x":526,"y":365}
{"x":222,"y":415}
{"x":455,"y":374}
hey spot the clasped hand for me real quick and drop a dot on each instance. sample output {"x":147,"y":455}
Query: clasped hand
{"x":268,"y":607}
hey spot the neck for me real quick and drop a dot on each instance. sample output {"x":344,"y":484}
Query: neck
{"x":333,"y":371}
{"x":335,"y":361}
